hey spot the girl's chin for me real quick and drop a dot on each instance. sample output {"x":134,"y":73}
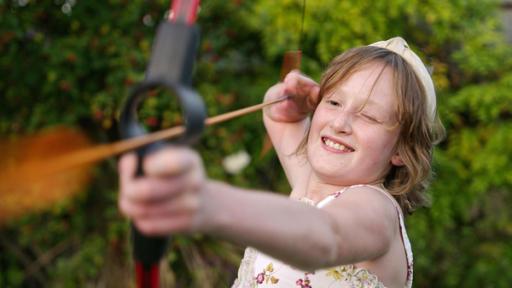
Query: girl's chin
{"x":335,"y":177}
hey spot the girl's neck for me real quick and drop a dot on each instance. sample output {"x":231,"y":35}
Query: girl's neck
{"x":317,"y":190}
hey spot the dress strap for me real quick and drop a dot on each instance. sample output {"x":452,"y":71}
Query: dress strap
{"x":403,"y":232}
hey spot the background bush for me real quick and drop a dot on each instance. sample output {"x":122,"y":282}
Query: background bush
{"x":72,"y":62}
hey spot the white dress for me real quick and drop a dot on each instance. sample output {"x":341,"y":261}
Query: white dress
{"x":260,"y":270}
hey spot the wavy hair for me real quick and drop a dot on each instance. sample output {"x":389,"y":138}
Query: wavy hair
{"x":418,"y":135}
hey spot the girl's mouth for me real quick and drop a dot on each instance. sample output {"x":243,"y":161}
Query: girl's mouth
{"x":337,"y":146}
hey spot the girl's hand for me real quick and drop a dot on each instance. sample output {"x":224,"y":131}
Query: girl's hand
{"x":167,"y":199}
{"x":303,"y":94}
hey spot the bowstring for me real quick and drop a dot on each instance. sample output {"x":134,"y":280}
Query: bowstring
{"x":301,"y":32}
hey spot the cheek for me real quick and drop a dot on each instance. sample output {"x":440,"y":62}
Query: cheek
{"x":317,"y":123}
{"x":317,"y":118}
{"x":380,"y":144}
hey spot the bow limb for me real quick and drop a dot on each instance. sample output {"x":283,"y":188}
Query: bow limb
{"x":170,"y":67}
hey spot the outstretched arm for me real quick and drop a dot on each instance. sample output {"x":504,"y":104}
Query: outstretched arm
{"x":176,"y":197}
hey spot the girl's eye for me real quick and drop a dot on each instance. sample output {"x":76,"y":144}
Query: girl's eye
{"x":333,"y":102}
{"x":371,"y":118}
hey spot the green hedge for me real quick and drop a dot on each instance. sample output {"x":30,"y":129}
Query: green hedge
{"x":72,"y":62}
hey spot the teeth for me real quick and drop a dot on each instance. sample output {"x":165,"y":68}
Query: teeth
{"x":335,"y":145}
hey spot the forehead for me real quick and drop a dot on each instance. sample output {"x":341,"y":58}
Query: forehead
{"x":371,"y":84}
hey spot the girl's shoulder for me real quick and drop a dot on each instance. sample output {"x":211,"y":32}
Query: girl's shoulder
{"x":371,"y":197}
{"x":364,"y":192}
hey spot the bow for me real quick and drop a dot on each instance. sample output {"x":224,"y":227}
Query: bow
{"x":170,"y":68}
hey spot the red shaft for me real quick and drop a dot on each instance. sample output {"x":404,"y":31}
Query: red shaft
{"x":147,"y":277}
{"x":184,"y":11}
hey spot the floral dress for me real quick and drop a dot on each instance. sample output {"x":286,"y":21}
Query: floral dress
{"x":260,"y":270}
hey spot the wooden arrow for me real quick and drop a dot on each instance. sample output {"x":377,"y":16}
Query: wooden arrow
{"x":54,"y":165}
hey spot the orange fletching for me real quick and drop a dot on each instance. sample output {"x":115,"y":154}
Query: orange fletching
{"x":26,"y":182}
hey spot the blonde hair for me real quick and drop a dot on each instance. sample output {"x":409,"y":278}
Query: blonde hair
{"x":419,"y":133}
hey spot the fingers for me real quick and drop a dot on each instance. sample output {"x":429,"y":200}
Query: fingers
{"x":167,"y":195}
{"x":298,"y":84}
{"x":126,"y":166}
{"x":303,"y":95}
{"x":164,"y":163}
{"x":170,"y":162}
{"x":163,"y":226}
{"x":294,"y":84}
{"x":164,"y":217}
{"x":274,"y":92}
{"x":167,"y":173}
{"x":150,"y":190}
{"x":302,"y":87}
{"x":186,"y":203}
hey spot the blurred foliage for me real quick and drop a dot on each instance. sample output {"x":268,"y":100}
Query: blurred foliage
{"x":72,"y":62}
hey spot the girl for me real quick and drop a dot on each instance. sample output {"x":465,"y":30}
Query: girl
{"x":361,"y":159}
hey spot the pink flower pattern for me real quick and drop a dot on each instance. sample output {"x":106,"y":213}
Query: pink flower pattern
{"x":267,"y":275}
{"x":304,"y":283}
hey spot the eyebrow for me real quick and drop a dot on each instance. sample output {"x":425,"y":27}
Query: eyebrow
{"x":370,"y":102}
{"x":367,"y":102}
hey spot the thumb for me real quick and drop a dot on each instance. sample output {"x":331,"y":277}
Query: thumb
{"x":127,"y":166}
{"x":313,"y":96}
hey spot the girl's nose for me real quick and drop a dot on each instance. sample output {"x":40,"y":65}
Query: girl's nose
{"x":342,"y":123}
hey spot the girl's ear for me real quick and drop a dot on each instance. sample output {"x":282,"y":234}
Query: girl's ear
{"x":397,"y":160}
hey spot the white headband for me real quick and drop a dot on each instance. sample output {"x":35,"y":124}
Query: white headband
{"x":400,"y":47}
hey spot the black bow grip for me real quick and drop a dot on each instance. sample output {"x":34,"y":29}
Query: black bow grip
{"x":170,"y":67}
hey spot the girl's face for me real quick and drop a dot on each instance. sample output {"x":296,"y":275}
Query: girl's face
{"x":354,"y":129}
